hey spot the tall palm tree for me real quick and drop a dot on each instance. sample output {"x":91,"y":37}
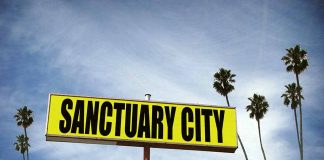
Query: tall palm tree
{"x":258,"y":108}
{"x":21,"y":144}
{"x":296,"y":61}
{"x":291,"y":97}
{"x":223,"y":85}
{"x":24,"y":118}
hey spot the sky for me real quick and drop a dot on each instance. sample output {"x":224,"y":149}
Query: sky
{"x":170,"y":49}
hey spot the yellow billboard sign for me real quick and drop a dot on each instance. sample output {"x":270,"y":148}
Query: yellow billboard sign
{"x":141,"y":123}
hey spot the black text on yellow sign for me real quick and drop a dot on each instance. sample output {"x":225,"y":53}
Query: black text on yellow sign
{"x":170,"y":125}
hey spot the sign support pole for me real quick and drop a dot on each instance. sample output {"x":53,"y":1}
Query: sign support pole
{"x":147,"y":148}
{"x":146,"y":153}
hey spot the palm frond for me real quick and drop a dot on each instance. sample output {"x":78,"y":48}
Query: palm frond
{"x":223,"y":80}
{"x":291,"y":95}
{"x":295,"y":59}
{"x":258,"y":106}
{"x":24,"y":117}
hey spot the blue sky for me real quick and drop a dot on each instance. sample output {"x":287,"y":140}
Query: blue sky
{"x":171,"y":49}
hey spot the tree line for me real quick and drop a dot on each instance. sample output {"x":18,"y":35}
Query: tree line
{"x":296,"y":62}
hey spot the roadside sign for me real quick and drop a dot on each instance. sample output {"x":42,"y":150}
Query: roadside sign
{"x":141,"y":123}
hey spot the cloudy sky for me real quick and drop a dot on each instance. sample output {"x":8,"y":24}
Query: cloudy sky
{"x":171,"y":49}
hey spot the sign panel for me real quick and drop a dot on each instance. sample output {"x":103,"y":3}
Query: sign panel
{"x":141,"y":123}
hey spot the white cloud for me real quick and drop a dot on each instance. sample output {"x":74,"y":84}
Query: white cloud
{"x":116,"y":52}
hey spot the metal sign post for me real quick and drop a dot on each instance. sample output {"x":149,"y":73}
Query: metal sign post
{"x":147,"y":148}
{"x":146,"y":153}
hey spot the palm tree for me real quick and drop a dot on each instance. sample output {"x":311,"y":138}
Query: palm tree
{"x":21,"y":144}
{"x":291,"y":97}
{"x":296,"y":61}
{"x":24,"y":118}
{"x":258,"y":108}
{"x":223,"y":86}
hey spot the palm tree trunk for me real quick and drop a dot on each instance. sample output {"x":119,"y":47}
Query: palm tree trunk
{"x":300,"y":120}
{"x":23,"y":154}
{"x":261,"y":140}
{"x":26,"y":142}
{"x":297,"y":132}
{"x":241,"y":143}
{"x":227,"y":101}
